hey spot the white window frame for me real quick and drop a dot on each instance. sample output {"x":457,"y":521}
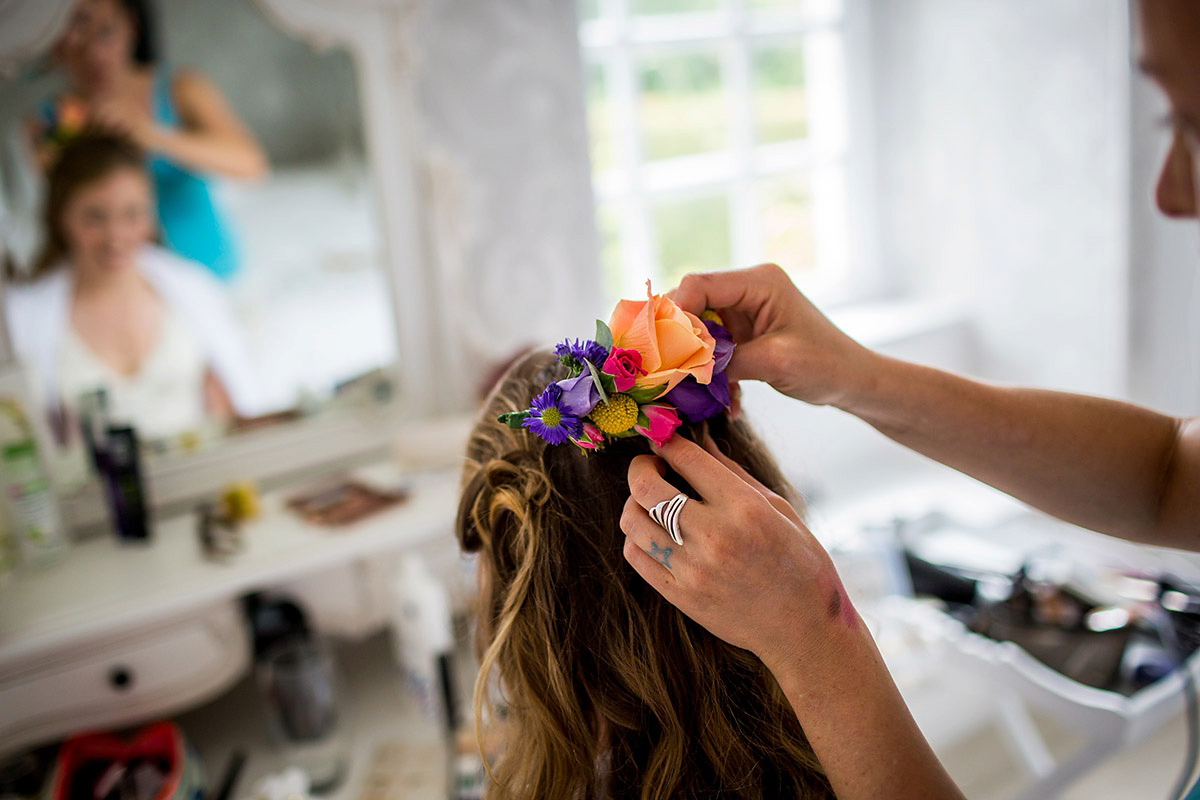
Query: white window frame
{"x":618,"y":40}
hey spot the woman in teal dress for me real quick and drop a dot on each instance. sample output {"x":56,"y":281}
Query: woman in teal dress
{"x":117,"y":83}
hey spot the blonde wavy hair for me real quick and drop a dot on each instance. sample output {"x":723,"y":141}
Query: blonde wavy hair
{"x":608,"y":690}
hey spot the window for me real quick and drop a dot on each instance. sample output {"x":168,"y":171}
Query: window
{"x":719,"y":138}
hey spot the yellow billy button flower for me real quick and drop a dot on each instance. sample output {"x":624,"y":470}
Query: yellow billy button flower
{"x":618,"y":415}
{"x":712,"y":316}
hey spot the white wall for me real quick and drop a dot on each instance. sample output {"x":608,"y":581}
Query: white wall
{"x":1003,"y":175}
{"x":1164,"y":278}
{"x":1016,"y":159}
{"x":829,"y":455}
{"x":1002,"y":158}
{"x":503,"y":120}
{"x":301,"y":104}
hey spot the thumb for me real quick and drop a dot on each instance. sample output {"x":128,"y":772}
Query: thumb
{"x":753,"y":361}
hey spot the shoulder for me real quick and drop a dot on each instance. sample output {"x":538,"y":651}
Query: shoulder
{"x":34,"y":295}
{"x":34,"y":310}
{"x":178,"y":276}
{"x":191,"y":87}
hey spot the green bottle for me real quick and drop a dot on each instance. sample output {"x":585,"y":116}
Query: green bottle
{"x":30,"y":507}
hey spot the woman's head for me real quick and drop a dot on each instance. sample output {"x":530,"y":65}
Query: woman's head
{"x":103,"y":39}
{"x":1169,"y":32}
{"x":595,"y":666}
{"x":99,"y":207}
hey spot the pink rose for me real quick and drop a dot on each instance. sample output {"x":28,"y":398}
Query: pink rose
{"x":625,"y":366}
{"x":592,"y":437}
{"x":663,"y":422}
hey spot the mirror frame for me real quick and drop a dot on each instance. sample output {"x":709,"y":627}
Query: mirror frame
{"x":378,"y":35}
{"x":29,"y":29}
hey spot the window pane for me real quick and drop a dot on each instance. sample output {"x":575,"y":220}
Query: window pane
{"x":807,"y":8}
{"x":785,"y":221}
{"x":589,"y":10}
{"x":780,"y":106}
{"x":601,"y":133}
{"x":682,"y":105}
{"x":612,"y":250}
{"x":673,"y":6}
{"x":692,"y":234}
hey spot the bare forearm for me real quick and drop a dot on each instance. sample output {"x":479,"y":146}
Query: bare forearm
{"x":228,"y":156}
{"x":858,"y":723}
{"x":1106,"y":465}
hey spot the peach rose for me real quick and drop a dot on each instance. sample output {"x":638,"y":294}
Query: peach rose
{"x":72,"y":116}
{"x":673,"y":343}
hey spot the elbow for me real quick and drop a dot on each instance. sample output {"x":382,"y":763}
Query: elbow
{"x":256,"y":167}
{"x":1176,"y":515}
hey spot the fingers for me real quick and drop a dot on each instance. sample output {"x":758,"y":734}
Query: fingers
{"x":700,"y":290}
{"x":648,"y":537}
{"x":711,"y":446}
{"x":652,"y":572}
{"x":661,"y":579}
{"x":649,"y":489}
{"x":741,"y":289}
{"x":756,"y":360}
{"x":780,"y":504}
{"x":705,"y":474}
{"x":646,"y":482}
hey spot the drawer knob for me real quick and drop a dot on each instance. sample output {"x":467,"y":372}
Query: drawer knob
{"x":121,"y":678}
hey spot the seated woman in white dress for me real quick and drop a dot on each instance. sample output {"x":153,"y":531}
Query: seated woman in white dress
{"x":105,"y":308}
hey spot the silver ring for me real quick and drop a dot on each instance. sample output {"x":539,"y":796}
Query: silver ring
{"x":667,"y":514}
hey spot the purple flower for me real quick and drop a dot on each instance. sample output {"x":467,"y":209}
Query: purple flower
{"x":724,"y":347}
{"x":574,"y":354}
{"x":551,"y":420}
{"x":579,"y":395}
{"x":698,"y":401}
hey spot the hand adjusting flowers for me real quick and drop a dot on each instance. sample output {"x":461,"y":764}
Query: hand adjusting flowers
{"x":651,"y":363}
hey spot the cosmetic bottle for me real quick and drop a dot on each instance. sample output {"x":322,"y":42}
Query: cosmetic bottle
{"x":423,"y":639}
{"x":121,"y":472}
{"x":31,"y":510}
{"x":93,"y":423}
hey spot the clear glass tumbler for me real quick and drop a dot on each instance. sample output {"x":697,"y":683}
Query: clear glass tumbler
{"x":299,"y":684}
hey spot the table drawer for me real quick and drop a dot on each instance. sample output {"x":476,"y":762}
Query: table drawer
{"x":123,"y":679}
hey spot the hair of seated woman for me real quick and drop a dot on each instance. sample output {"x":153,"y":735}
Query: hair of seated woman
{"x":84,"y":160}
{"x":609,"y":691}
{"x":145,"y":42}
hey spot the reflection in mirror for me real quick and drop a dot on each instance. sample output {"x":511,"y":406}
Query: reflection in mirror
{"x":232,"y":274}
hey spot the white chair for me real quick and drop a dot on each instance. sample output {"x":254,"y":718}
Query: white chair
{"x":1016,"y":684}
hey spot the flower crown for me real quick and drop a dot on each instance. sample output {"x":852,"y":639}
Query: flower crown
{"x":652,"y":362}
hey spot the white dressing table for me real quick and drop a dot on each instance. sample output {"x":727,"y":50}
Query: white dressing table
{"x":114,"y":634}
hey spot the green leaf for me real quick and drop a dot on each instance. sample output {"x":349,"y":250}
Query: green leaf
{"x":513,"y":419}
{"x":642,"y":421}
{"x":604,"y":336}
{"x":623,"y":434}
{"x":574,"y":368}
{"x":596,"y":379}
{"x":610,"y":383}
{"x":646,"y":395}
